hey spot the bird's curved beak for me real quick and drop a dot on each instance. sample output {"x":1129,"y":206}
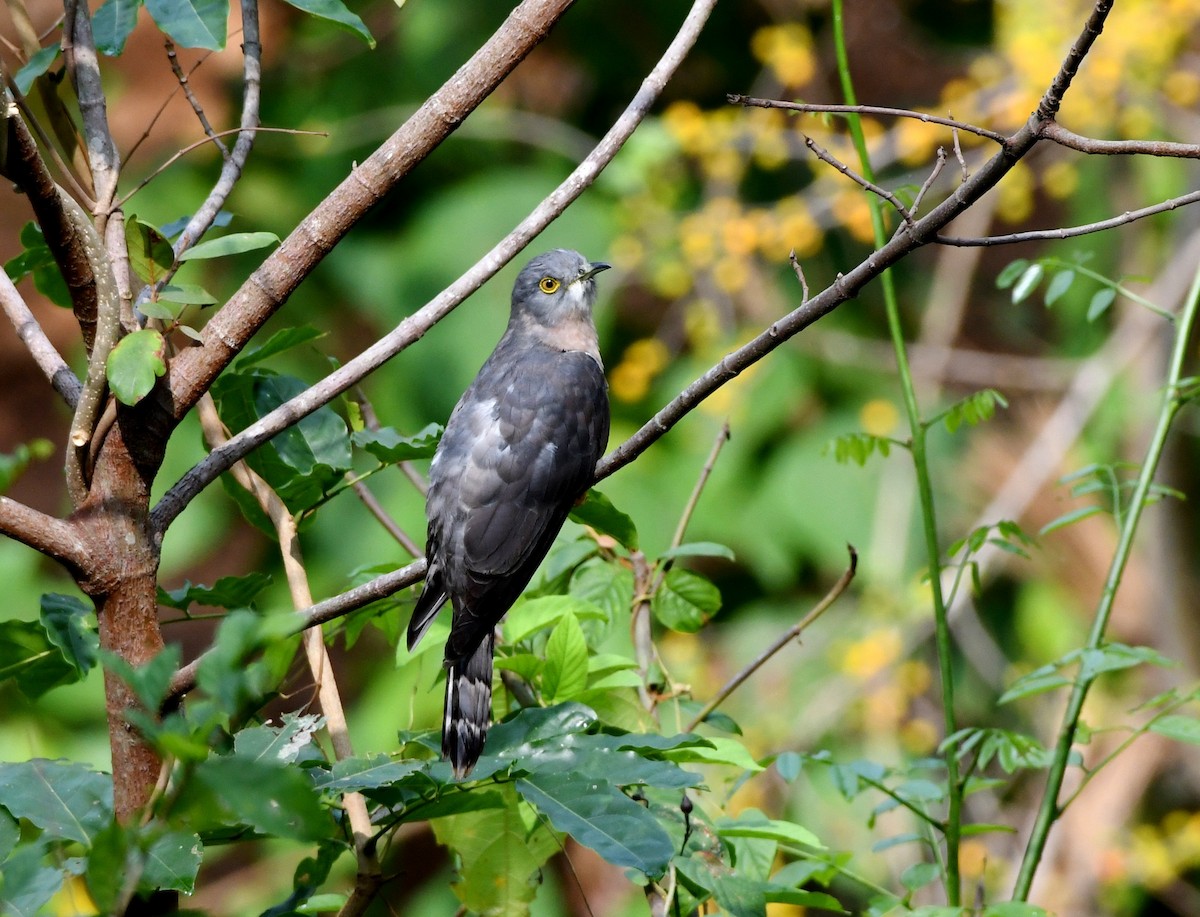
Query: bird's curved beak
{"x":593,"y":269}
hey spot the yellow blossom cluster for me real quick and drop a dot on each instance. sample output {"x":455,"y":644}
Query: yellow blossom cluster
{"x":1156,"y":855}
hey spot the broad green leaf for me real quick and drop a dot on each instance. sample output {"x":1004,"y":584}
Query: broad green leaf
{"x":192,"y":23}
{"x":150,"y":254}
{"x":723,"y":750}
{"x":533,"y":615}
{"x":685,"y":601}
{"x":753,"y":823}
{"x":390,"y":447}
{"x":283,"y":744}
{"x":172,"y":861}
{"x":10,"y":834}
{"x":538,"y":724}
{"x":233,"y":244}
{"x":919,"y":875}
{"x":336,"y":12}
{"x":185,"y":294}
{"x":28,"y":883}
{"x":598,"y":512}
{"x":1180,"y":728}
{"x":13,"y":464}
{"x":280,"y":341}
{"x":65,"y":799}
{"x":623,"y":832}
{"x":699,"y":549}
{"x":69,"y":626}
{"x":36,"y":260}
{"x":1112,"y":657}
{"x":1027,"y":282}
{"x":606,"y":585}
{"x":1059,"y":284}
{"x":565,"y":673}
{"x":134,"y":364}
{"x":113,"y":22}
{"x":227,"y":592}
{"x":272,"y":798}
{"x":28,"y":656}
{"x":353,"y":774}
{"x":37,"y":65}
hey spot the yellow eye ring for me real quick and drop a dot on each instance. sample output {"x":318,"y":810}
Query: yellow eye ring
{"x":548,"y":284}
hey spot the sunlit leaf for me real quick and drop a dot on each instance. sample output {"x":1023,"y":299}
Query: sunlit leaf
{"x":1059,"y":284}
{"x":565,"y":672}
{"x":1100,"y":302}
{"x":1027,"y":282}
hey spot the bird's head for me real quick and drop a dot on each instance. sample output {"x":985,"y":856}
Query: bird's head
{"x":556,"y":288}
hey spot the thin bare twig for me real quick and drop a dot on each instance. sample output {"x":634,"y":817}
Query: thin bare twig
{"x":928,"y":183}
{"x":799,"y":271}
{"x":371,"y":502}
{"x":710,"y":463}
{"x":825,"y":156}
{"x":186,"y":86}
{"x":1060,"y":135}
{"x":414,"y":326}
{"x":787,"y":637}
{"x":817,"y":108}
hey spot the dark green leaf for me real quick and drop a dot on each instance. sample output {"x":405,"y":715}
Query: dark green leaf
{"x":602,"y":818}
{"x":64,"y":799}
{"x":150,"y":681}
{"x":192,"y":23}
{"x":282,"y":340}
{"x":606,"y":585}
{"x":172,"y":861}
{"x":227,"y":592}
{"x":272,"y":798}
{"x":233,"y":244}
{"x":37,"y":65}
{"x":134,"y":364}
{"x":113,"y":22}
{"x":803,"y":899}
{"x":336,"y":12}
{"x":28,"y":883}
{"x":387,"y":445}
{"x":685,"y":601}
{"x":111,"y":859}
{"x":150,"y":254}
{"x":598,"y":512}
{"x":27,"y":655}
{"x":69,"y":626}
{"x":38,"y":261}
{"x":284,"y":744}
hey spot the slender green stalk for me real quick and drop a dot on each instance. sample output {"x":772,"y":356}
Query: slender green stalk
{"x":954,"y":795}
{"x":1174,"y":398}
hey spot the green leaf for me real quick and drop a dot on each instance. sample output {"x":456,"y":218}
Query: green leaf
{"x":1014,"y":909}
{"x":149,"y":681}
{"x":606,"y":585}
{"x":1037,"y":682}
{"x":65,"y":799}
{"x":352,"y":774}
{"x":28,"y":656}
{"x":284,"y":744}
{"x":150,"y":254}
{"x":69,"y":626}
{"x":1011,"y":272}
{"x":233,"y":244}
{"x":597,"y":511}
{"x":272,"y":798}
{"x":1112,"y":657}
{"x":192,"y":23}
{"x":1070,"y":518}
{"x":37,"y":66}
{"x":533,"y":615}
{"x":1100,"y":302}
{"x":112,"y":23}
{"x":1059,"y":284}
{"x":565,"y":672}
{"x":974,"y":409}
{"x":227,"y":592}
{"x":1027,"y":282}
{"x":918,"y":875}
{"x":602,"y":818}
{"x":13,"y":464}
{"x":186,"y":294}
{"x":390,"y":447}
{"x":699,"y":549}
{"x":857,"y":447}
{"x":280,"y":341}
{"x":134,"y":364}
{"x":685,"y":601}
{"x":37,"y":260}
{"x":111,"y":859}
{"x":1180,"y":728}
{"x":336,"y":12}
{"x":172,"y":862}
{"x":723,"y":750}
{"x":753,"y":823}
{"x":28,"y":884}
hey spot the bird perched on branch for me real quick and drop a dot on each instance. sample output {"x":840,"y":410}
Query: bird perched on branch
{"x":519,"y":449}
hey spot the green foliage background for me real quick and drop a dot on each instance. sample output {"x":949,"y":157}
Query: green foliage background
{"x":698,"y":214}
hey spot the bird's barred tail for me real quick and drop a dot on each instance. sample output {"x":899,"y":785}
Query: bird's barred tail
{"x":468,"y":707}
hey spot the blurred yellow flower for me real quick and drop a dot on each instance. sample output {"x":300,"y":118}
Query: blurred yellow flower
{"x":865,"y":658}
{"x":787,"y":50}
{"x":850,"y":208}
{"x":879,"y":417}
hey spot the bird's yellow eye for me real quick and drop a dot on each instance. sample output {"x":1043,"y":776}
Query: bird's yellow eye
{"x":548,"y":284}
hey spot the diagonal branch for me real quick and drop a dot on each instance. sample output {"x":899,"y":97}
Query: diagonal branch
{"x":414,"y":327}
{"x":268,"y":288}
{"x":53,"y":537}
{"x":1073,"y":141}
{"x":44,"y":353}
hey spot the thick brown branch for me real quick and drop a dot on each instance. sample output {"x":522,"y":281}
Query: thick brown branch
{"x":1052,"y":100}
{"x":53,"y":537}
{"x":194,"y":370}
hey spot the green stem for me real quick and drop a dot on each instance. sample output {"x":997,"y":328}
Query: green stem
{"x":1173,"y":400}
{"x":953,"y":825}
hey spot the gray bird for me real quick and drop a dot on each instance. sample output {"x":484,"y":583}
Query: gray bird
{"x":519,"y":449}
